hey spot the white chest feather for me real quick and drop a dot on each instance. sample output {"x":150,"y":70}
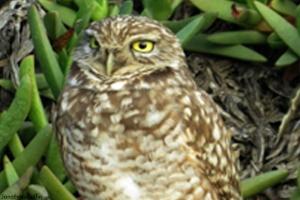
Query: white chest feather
{"x":129,"y":187}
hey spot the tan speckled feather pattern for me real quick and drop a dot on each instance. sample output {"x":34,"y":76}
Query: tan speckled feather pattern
{"x":146,"y":132}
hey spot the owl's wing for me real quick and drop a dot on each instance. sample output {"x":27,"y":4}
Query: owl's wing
{"x":179,"y":102}
{"x":209,"y":140}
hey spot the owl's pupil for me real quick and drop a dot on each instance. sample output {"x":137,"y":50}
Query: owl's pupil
{"x":142,"y":45}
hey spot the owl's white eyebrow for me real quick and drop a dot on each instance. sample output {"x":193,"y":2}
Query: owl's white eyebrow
{"x":143,"y":37}
{"x":91,"y":31}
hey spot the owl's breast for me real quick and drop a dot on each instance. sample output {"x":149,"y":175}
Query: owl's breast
{"x":136,"y":139}
{"x":129,"y":144}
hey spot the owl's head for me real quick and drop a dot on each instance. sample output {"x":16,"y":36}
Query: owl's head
{"x":122,"y":45}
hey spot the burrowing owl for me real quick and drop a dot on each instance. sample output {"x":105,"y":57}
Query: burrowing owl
{"x":132,"y":123}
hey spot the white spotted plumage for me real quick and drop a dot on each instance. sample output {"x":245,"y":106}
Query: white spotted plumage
{"x":145,"y":131}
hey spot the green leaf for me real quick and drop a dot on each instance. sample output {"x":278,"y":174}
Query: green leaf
{"x":48,"y":94}
{"x":44,"y":52}
{"x":114,"y":10}
{"x":66,"y":14}
{"x":286,"y":7}
{"x":40,"y":78}
{"x":37,"y":113}
{"x":254,"y":185}
{"x":41,"y":81}
{"x":17,"y":188}
{"x":287,"y":32}
{"x":198,"y":24}
{"x":296,"y":195}
{"x":82,"y":21}
{"x":86,"y":10}
{"x":275,"y":41}
{"x":175,"y":4}
{"x":287,"y":58}
{"x":100,"y":9}
{"x":15,"y":145}
{"x":55,"y":188}
{"x":65,"y":2}
{"x":31,"y":154}
{"x":10,"y":172}
{"x":12,"y":120}
{"x":225,"y":9}
{"x":200,"y":44}
{"x":53,"y":25}
{"x":7,"y":84}
{"x":69,"y":185}
{"x":176,"y":25}
{"x":54,"y":160}
{"x":159,"y":11}
{"x":238,"y":37}
{"x":298,"y":18}
{"x":126,"y":7}
{"x":38,"y":191}
{"x":64,"y":59}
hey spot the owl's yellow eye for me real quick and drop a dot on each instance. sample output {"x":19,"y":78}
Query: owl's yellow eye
{"x":94,"y":43}
{"x":143,"y":46}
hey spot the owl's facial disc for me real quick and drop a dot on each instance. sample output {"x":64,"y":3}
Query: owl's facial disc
{"x":122,"y":45}
{"x":109,"y":58}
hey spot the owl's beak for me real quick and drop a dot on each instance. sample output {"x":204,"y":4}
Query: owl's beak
{"x":109,"y":63}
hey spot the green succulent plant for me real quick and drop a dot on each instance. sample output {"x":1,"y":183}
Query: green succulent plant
{"x":274,"y":23}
